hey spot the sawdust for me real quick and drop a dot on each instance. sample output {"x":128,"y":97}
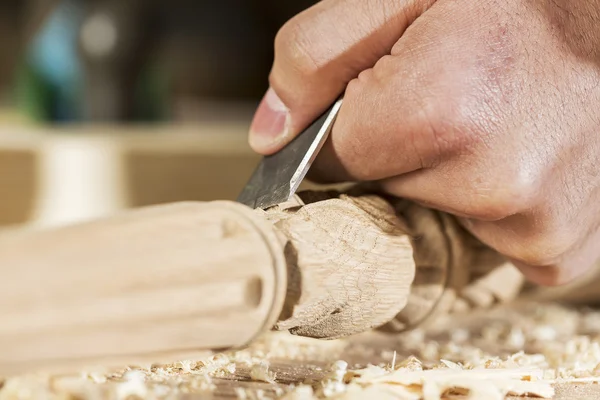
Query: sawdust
{"x":260,"y":372}
{"x":524,"y":349}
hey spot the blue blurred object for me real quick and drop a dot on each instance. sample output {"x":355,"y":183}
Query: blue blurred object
{"x":54,"y":59}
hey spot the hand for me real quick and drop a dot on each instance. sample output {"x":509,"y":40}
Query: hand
{"x":486,"y":109}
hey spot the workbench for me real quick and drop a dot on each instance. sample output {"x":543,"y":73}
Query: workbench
{"x":542,"y":330}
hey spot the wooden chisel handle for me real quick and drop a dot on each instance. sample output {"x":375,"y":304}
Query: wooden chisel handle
{"x":149,"y":284}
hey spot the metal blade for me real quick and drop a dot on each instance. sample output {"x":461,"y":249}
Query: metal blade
{"x":279,"y":175}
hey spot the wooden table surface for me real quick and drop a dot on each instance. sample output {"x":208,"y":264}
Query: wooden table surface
{"x":295,"y":360}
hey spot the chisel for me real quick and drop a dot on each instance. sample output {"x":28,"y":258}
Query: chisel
{"x":279,"y":175}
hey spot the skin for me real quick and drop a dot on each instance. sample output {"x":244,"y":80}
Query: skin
{"x":486,"y":109}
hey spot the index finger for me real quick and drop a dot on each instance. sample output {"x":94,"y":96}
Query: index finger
{"x":317,"y":53}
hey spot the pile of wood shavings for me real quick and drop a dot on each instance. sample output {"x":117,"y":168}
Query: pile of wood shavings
{"x":522,"y":350}
{"x":411,"y":381}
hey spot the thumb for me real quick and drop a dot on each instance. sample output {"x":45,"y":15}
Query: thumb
{"x":317,"y":53}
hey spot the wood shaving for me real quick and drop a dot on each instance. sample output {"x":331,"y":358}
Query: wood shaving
{"x":260,"y":372}
{"x":302,"y":392}
{"x":480,"y":383}
{"x":334,"y":382}
{"x":526,"y":349}
{"x":134,"y":386}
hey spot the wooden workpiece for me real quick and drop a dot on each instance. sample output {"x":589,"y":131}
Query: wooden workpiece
{"x":170,"y":282}
{"x":198,"y":276}
{"x":324,"y":265}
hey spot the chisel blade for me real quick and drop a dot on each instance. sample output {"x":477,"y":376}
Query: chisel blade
{"x":279,"y":175}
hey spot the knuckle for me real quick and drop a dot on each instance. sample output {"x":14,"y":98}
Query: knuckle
{"x":355,"y":140}
{"x":502,"y":194}
{"x":549,"y":275}
{"x":505,"y":202}
{"x":355,"y":155}
{"x":546,"y":249}
{"x":356,"y":86}
{"x":443,"y":131}
{"x":488,"y":211}
{"x":295,"y":50}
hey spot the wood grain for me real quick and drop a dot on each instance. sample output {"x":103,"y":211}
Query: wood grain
{"x":203,"y":276}
{"x":171,"y":278}
{"x":198,"y":276}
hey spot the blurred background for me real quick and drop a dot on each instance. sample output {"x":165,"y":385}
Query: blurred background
{"x":110,"y":104}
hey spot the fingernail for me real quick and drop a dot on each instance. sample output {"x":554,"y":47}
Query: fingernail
{"x":271,"y":122}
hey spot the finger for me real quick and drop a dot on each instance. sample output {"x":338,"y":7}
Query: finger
{"x":477,"y":184}
{"x":403,"y":114}
{"x":545,"y":258}
{"x":547,"y":244}
{"x":317,"y":53}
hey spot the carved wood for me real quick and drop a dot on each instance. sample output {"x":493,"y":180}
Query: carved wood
{"x":190,"y":276}
{"x":166,"y":280}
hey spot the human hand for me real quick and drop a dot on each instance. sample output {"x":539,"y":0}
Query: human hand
{"x":486,"y":109}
